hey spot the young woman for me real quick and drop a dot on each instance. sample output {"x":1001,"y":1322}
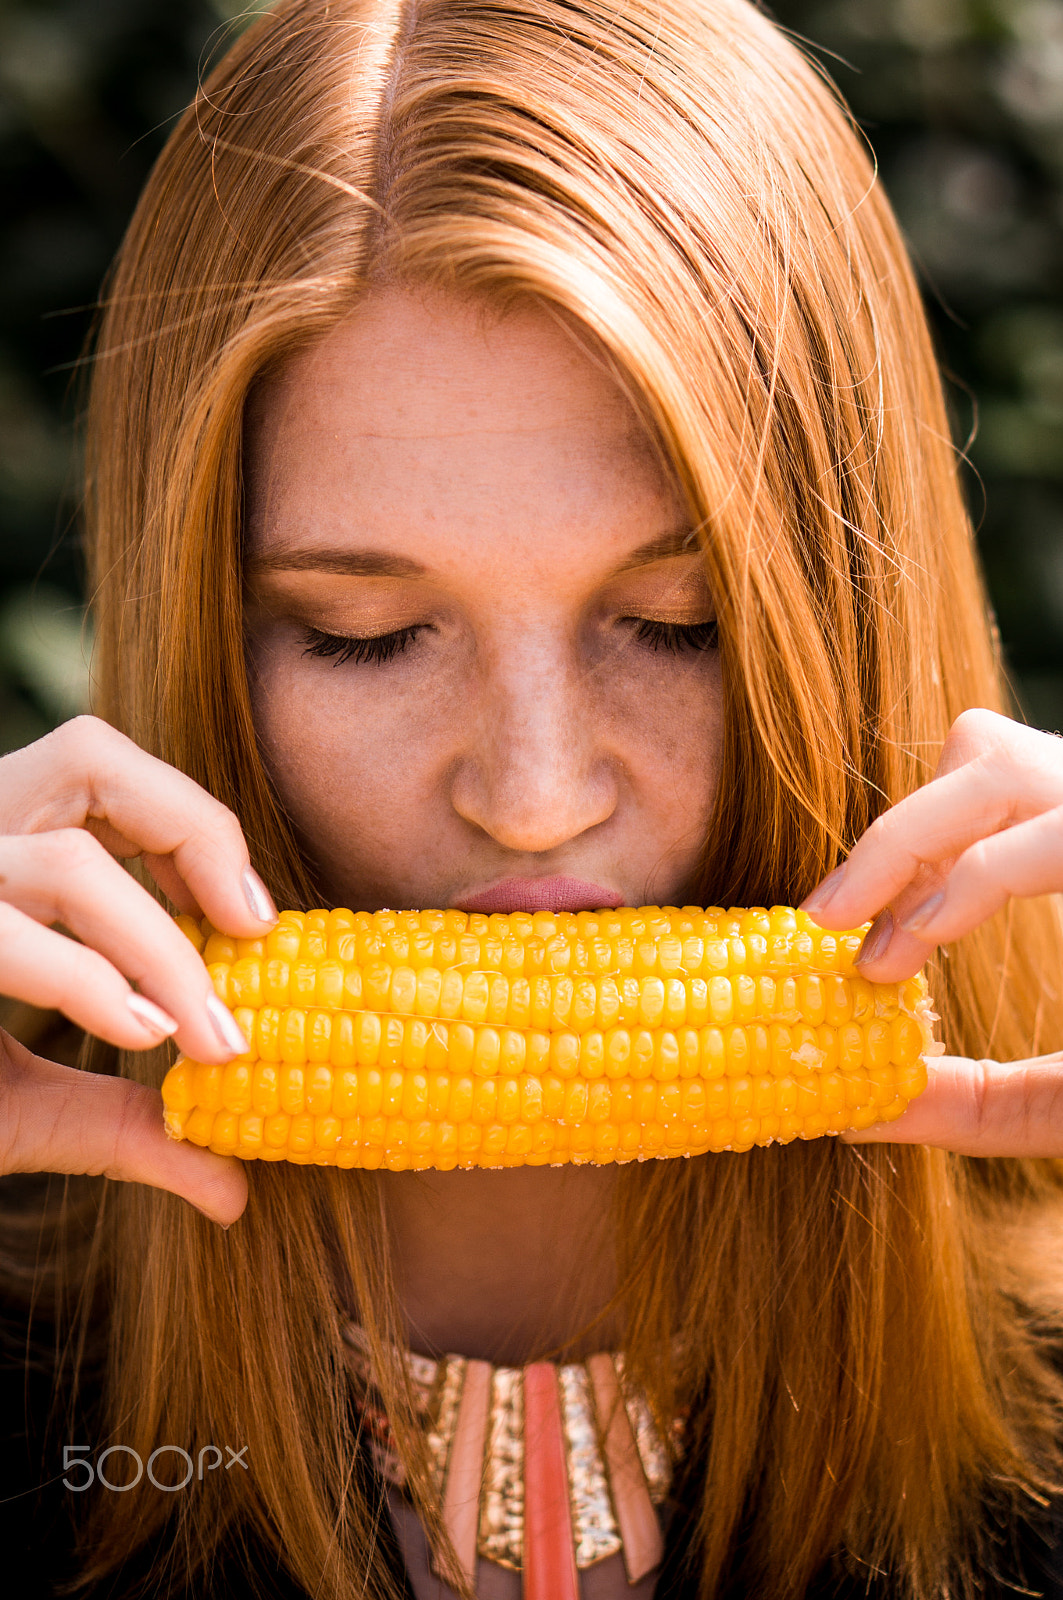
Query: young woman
{"x":519,"y":478}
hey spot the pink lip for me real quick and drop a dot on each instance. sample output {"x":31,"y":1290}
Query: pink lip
{"x":541,"y":894}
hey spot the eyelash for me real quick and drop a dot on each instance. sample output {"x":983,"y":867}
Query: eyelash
{"x":364,"y":652}
{"x":674,"y":637}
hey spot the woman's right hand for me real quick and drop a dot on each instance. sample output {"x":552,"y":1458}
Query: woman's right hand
{"x":69,"y":805}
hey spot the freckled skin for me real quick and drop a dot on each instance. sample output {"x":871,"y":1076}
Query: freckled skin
{"x":528,"y":737}
{"x":525,"y":730}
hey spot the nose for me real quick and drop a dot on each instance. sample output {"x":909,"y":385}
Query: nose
{"x":536,"y":770}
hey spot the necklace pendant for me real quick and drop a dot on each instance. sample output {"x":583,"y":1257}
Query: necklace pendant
{"x":549,"y":1564}
{"x":544,"y":1469}
{"x":502,"y":1500}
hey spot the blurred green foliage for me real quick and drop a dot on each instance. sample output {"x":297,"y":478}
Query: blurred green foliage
{"x":962,"y":101}
{"x":88,"y":92}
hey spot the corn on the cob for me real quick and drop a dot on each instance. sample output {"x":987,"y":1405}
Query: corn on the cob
{"x":446,"y":1039}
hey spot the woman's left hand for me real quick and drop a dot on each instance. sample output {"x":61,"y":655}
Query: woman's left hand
{"x":988,"y":826}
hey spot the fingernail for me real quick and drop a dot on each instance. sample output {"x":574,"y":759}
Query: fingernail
{"x":923,"y":913}
{"x":826,"y":891}
{"x":257,"y":896}
{"x":151,"y":1016}
{"x":226,"y":1026}
{"x":877,"y":939}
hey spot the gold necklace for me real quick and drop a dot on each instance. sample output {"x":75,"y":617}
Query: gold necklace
{"x":546,"y":1469}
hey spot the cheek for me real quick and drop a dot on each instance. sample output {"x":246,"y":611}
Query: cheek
{"x":670,"y":721}
{"x":670,"y":717}
{"x":354,"y":760}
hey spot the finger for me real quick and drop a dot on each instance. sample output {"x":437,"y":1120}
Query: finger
{"x":1025,"y":860}
{"x":889,"y":953}
{"x":924,"y":833}
{"x":1022,"y":861}
{"x":982,"y":1108}
{"x":976,"y":732}
{"x":86,"y":773}
{"x":67,"y":877}
{"x":56,"y":1119}
{"x":171,"y":883}
{"x":53,"y":972}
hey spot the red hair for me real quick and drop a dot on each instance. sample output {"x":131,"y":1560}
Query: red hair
{"x":679,"y":181}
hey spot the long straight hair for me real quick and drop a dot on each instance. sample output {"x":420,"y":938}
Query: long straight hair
{"x":866,"y":1355}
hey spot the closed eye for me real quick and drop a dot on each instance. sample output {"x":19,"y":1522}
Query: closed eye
{"x":676,"y":637}
{"x":376,"y":649}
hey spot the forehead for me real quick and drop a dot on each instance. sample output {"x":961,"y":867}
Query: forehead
{"x":421,"y":411}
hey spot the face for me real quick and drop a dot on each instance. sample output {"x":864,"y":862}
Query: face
{"x":482,"y":649}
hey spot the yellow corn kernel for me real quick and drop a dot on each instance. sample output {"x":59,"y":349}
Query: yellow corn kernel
{"x":444,"y":1039}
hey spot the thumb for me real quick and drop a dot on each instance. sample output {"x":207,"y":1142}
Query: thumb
{"x":57,"y":1119}
{"x":982,"y":1108}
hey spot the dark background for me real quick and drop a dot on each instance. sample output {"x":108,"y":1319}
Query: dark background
{"x":962,"y":101}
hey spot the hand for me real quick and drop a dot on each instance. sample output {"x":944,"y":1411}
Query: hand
{"x":987,"y":827}
{"x":69,"y":805}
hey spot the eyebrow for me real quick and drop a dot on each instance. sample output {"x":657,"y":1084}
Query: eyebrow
{"x":343,"y":563}
{"x":339,"y":562}
{"x":682,"y":541}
